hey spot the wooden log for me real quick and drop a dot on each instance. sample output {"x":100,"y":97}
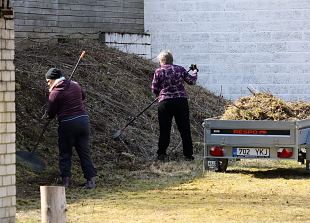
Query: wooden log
{"x":53,"y":204}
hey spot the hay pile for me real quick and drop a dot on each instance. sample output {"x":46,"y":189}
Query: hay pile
{"x":265,"y":106}
{"x":117,"y":88}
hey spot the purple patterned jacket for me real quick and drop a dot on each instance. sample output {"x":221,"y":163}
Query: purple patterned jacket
{"x":168,"y":81}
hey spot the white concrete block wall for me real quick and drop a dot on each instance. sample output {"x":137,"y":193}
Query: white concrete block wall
{"x":7,"y":122}
{"x":139,"y":44}
{"x":237,"y":44}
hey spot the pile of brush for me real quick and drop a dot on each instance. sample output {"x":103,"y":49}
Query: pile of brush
{"x":265,"y":106}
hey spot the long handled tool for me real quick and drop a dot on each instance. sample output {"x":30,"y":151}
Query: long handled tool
{"x":118,"y":133}
{"x":30,"y":158}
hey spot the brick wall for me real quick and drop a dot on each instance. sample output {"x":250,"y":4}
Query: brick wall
{"x":79,"y":18}
{"x":7,"y":122}
{"x":237,"y":44}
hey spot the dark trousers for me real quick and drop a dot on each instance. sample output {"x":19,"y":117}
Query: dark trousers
{"x":75,"y":133}
{"x":177,"y":108}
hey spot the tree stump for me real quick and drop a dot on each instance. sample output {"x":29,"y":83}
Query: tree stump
{"x":53,"y":204}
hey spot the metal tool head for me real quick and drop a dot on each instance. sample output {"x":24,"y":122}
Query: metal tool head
{"x":117,"y":135}
{"x":31,"y":160}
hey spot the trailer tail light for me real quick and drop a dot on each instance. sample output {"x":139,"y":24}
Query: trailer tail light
{"x":217,"y":151}
{"x":285,"y":152}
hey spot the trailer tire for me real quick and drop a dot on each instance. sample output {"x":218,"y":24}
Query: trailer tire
{"x":222,"y":165}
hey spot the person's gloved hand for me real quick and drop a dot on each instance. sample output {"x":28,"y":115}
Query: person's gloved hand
{"x":193,"y":67}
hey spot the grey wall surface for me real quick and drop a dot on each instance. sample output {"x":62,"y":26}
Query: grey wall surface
{"x":237,"y":44}
{"x":48,"y":18}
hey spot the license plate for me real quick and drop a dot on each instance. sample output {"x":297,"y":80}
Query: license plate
{"x":212,"y":164}
{"x":251,"y":152}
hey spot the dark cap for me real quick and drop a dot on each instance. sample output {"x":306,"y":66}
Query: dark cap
{"x":53,"y":74}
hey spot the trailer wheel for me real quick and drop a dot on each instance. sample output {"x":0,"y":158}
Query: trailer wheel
{"x":222,"y":165}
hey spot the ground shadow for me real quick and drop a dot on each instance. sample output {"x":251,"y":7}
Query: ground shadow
{"x":284,"y":173}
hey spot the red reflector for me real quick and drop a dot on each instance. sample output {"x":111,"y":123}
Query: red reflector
{"x":216,"y":151}
{"x":285,"y":153}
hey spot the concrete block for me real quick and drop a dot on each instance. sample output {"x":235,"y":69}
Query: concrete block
{"x":9,"y":158}
{"x":13,"y":117}
{"x":9,"y":24}
{"x":273,"y":47}
{"x":10,"y":127}
{"x":272,"y":15}
{"x":6,"y":202}
{"x":224,"y":37}
{"x":10,"y":96}
{"x":3,"y":149}
{"x":5,"y":75}
{"x":7,"y":54}
{"x":10,"y":85}
{"x":5,"y":117}
{"x":256,"y":36}
{"x":3,"y":128}
{"x":11,"y":170}
{"x":299,"y":79}
{"x":9,"y":148}
{"x":287,"y":36}
{"x":2,"y":43}
{"x":237,"y":47}
{"x":290,"y":57}
{"x":11,"y":190}
{"x":207,"y":5}
{"x":5,"y":34}
{"x":2,"y":24}
{"x":2,"y":105}
{"x":2,"y":63}
{"x":298,"y":46}
{"x":9,"y":44}
{"x":9,"y":66}
{"x":8,"y":138}
{"x":6,"y":180}
{"x":195,"y":58}
{"x":2,"y":210}
{"x":272,"y":68}
{"x":13,"y":202}
{"x":2,"y":160}
{"x":12,"y":212}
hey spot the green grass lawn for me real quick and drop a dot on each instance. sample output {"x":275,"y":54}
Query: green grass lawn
{"x":250,"y":191}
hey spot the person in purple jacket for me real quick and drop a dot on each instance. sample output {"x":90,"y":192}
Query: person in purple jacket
{"x":168,"y":85}
{"x":66,"y":102}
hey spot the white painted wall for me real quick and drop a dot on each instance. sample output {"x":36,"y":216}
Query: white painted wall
{"x":262,"y":44}
{"x":7,"y":120}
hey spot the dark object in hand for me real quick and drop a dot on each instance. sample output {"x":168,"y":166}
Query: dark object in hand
{"x":193,"y":67}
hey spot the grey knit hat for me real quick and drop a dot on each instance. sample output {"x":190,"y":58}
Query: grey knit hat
{"x":53,"y":74}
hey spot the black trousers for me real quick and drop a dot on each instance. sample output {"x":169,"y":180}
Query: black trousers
{"x":75,"y":133}
{"x":177,"y":108}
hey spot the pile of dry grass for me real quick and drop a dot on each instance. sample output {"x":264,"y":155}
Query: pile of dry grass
{"x":265,"y":106}
{"x":117,"y":88}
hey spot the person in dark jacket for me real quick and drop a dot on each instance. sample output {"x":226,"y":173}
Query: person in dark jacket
{"x":66,"y":102}
{"x":168,"y":84}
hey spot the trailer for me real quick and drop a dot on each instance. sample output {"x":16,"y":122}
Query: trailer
{"x":226,"y":140}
